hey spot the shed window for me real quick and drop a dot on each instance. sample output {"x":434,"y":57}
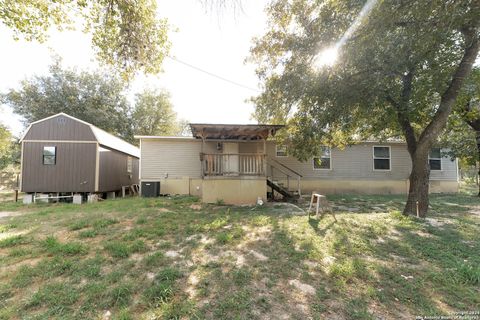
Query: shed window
{"x":435,"y":159}
{"x":324,"y":160}
{"x":281,"y":151}
{"x":381,"y":158}
{"x":49,"y":155}
{"x":129,"y":164}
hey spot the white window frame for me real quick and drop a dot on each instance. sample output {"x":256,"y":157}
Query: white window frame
{"x":129,"y":164}
{"x":439,"y":159}
{"x":320,"y":156}
{"x":389,"y":158}
{"x":54,"y":156}
{"x":276,"y":151}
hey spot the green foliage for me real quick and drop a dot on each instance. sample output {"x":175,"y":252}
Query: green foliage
{"x":121,"y":294}
{"x":367,"y":263}
{"x":9,"y":148}
{"x":154,"y":260}
{"x":154,"y":114}
{"x":468,"y":274}
{"x":126,"y":35}
{"x":161,"y":289}
{"x":52,"y":245}
{"x":12,"y":241}
{"x":118,"y":249}
{"x":398,"y":73}
{"x":360,"y":96}
{"x":56,"y":296}
{"x":464,"y":125}
{"x":97,"y":98}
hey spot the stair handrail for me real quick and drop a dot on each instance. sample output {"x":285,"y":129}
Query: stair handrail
{"x":299,"y":176}
{"x":288,"y":168}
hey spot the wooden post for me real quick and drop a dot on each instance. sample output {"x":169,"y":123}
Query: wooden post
{"x":202,"y":159}
{"x":298,"y":187}
{"x":265,"y":155}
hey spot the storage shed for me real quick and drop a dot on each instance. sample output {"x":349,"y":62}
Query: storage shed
{"x":63,"y":154}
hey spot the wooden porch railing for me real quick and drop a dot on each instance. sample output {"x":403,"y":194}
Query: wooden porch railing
{"x":233,"y":164}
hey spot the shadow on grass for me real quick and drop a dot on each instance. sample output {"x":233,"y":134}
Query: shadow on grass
{"x":254,"y":263}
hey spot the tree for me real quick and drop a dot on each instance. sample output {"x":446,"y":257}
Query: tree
{"x":463,"y":131}
{"x":154,"y":115}
{"x":125,"y":33}
{"x":400,"y":67}
{"x":9,"y":151}
{"x":97,"y":98}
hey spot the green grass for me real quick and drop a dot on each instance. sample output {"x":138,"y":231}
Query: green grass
{"x":158,"y":258}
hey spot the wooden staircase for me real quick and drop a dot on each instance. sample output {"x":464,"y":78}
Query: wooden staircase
{"x":279,"y":187}
{"x":287,"y":173}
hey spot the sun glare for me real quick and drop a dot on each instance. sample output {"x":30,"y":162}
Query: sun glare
{"x":326,"y":58}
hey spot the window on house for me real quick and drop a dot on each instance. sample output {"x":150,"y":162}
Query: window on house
{"x":435,"y":159}
{"x":281,"y":151}
{"x":129,"y":164}
{"x":381,"y":158}
{"x":49,"y":155}
{"x":324,"y":160}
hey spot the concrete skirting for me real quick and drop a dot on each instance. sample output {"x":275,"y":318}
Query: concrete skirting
{"x":368,"y":186}
{"x":185,"y":185}
{"x":234,"y":191}
{"x":230,"y":191}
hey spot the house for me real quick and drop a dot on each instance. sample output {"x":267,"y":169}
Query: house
{"x":65,"y":155}
{"x":239,"y":163}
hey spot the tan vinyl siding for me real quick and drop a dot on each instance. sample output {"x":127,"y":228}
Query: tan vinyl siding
{"x":74,"y":170}
{"x":113,"y":170}
{"x":356,"y":163}
{"x":448,"y":172}
{"x":176,"y":159}
{"x":60,"y":128}
{"x":251,"y":147}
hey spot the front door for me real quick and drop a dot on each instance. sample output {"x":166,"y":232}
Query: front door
{"x":230,"y":158}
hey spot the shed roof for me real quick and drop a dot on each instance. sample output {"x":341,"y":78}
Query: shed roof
{"x":103,"y":138}
{"x":233,"y":131}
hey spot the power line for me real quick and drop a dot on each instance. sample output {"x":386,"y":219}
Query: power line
{"x":213,"y":74}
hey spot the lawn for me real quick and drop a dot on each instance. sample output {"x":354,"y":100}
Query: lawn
{"x":170,"y":258}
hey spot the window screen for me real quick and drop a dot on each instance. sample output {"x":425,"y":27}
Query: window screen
{"x":49,"y":155}
{"x":435,"y":159}
{"x":381,"y":158}
{"x":324,"y":160}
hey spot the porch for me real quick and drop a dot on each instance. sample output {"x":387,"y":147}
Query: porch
{"x":233,"y":150}
{"x":234,"y":163}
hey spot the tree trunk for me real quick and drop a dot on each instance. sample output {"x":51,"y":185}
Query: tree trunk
{"x":417,"y":201}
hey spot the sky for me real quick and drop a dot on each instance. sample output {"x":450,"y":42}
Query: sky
{"x":215,"y":41}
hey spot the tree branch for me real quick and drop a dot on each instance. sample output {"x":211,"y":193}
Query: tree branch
{"x":401,"y":108}
{"x":450,"y":95}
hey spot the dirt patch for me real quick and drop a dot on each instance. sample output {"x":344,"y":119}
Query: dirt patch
{"x":6,"y":214}
{"x":258,"y":255}
{"x":26,"y":262}
{"x":303,"y":287}
{"x":436,"y":222}
{"x":172,"y":254}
